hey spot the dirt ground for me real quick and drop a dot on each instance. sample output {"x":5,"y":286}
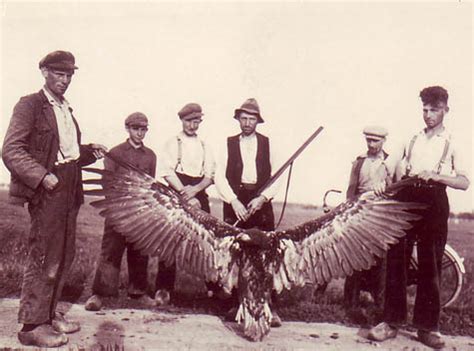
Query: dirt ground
{"x":127,"y":329}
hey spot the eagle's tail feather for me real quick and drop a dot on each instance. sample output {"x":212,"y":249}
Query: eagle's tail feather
{"x":256,"y":325}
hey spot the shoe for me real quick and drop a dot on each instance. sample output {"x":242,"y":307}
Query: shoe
{"x":62,"y":325}
{"x":93,"y":303}
{"x":162,"y":297}
{"x":145,"y":300}
{"x":382,"y":332}
{"x":431,"y":339}
{"x":43,"y":336}
{"x":276,"y":320}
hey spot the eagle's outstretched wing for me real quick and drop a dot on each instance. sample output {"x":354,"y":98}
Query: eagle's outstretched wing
{"x":347,"y":239}
{"x":157,"y":221}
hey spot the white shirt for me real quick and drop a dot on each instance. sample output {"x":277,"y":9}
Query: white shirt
{"x":68,"y":146}
{"x":427,"y":153}
{"x":374,"y":170}
{"x":248,"y":151}
{"x":197,"y":159}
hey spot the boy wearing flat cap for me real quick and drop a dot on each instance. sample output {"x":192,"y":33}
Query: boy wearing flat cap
{"x":107,"y":276}
{"x":188,"y":166}
{"x":433,"y":157}
{"x":368,"y":170}
{"x":42,"y":149}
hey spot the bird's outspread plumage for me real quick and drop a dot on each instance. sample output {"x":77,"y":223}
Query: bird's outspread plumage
{"x":159,"y":222}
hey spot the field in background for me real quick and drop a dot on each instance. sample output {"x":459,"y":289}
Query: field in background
{"x":299,"y":304}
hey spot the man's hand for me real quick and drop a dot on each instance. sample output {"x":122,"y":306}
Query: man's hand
{"x":240,"y":210}
{"x":379,"y":188}
{"x":194,"y":202}
{"x":50,"y":181}
{"x":188,"y":192}
{"x":256,"y":204}
{"x":98,"y":150}
{"x":428,"y":175}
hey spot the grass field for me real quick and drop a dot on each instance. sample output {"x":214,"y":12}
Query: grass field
{"x":299,"y":304}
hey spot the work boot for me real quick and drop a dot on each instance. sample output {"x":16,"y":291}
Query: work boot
{"x":382,"y":332}
{"x":145,"y":300}
{"x":93,"y":303}
{"x":162,"y":297}
{"x":276,"y":320}
{"x":62,"y":325}
{"x":42,"y":336}
{"x":431,"y":339}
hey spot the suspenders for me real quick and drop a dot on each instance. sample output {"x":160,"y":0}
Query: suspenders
{"x":442,"y":160}
{"x":180,"y":154}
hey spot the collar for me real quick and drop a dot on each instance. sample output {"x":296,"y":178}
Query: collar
{"x":249,"y":137}
{"x":382,"y":155}
{"x":132,"y":146}
{"x":54,"y":101}
{"x":183,"y":135}
{"x":443,"y":133}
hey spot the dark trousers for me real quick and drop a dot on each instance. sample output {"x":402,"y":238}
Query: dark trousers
{"x":263,"y":219}
{"x":51,"y":246}
{"x":371,"y":280}
{"x":167,"y":274}
{"x":107,"y":275}
{"x":430,"y":233}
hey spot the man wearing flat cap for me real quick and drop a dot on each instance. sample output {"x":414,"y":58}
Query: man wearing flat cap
{"x":43,"y":151}
{"x":188,"y":166}
{"x":106,"y":281}
{"x":246,"y":167}
{"x":368,"y":170}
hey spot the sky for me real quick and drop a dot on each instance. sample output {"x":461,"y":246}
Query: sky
{"x":339,"y":65}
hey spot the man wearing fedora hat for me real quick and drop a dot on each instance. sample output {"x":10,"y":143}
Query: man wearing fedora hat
{"x":188,"y":166}
{"x":43,"y":151}
{"x":106,"y":281}
{"x":246,"y":167}
{"x":368,"y":170}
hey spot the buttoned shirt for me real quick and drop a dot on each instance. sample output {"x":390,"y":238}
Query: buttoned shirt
{"x":248,"y":151}
{"x":68,"y":146}
{"x":374,"y":170}
{"x":188,"y":155}
{"x":141,"y":157}
{"x":427,"y":153}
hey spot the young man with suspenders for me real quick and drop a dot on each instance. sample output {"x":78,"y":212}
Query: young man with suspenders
{"x":188,"y":167}
{"x":433,"y":157}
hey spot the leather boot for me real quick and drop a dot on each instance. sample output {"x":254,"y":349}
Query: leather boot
{"x":62,"y":325}
{"x":43,"y":336}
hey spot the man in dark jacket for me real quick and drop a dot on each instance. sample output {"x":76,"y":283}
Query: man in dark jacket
{"x":43,"y":151}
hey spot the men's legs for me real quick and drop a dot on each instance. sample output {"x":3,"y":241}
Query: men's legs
{"x":431,"y":244}
{"x":137,"y":272}
{"x":106,"y":280}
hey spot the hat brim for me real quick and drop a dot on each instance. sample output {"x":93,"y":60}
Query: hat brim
{"x":62,"y":66}
{"x":191,"y":116}
{"x":374,"y":137}
{"x":252,"y":112}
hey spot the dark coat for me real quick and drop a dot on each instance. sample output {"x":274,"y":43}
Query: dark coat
{"x":31,"y":147}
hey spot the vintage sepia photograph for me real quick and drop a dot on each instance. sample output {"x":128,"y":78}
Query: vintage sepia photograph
{"x":203,"y":175}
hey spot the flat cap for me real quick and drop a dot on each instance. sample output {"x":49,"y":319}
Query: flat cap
{"x":190,"y":111}
{"x":62,"y":60}
{"x":136,"y":119}
{"x":250,"y":106}
{"x":375,"y":132}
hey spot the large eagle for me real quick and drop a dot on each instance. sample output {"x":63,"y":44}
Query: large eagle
{"x":159,"y":222}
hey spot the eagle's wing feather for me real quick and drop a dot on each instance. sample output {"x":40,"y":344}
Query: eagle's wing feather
{"x":347,"y":239}
{"x":157,"y":221}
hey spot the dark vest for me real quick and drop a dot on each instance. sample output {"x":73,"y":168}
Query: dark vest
{"x":235,"y":165}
